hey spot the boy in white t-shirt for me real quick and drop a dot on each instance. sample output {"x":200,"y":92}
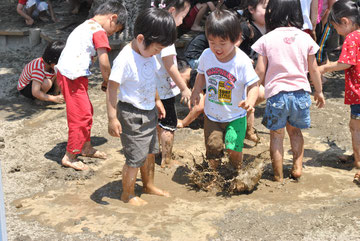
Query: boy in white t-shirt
{"x":83,"y":44}
{"x":231,"y":88}
{"x":134,"y":117}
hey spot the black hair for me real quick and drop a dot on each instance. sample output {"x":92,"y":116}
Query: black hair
{"x":113,"y":7}
{"x":157,"y":26}
{"x":345,"y":8}
{"x":283,"y":13}
{"x":53,"y":51}
{"x":250,"y":3}
{"x":224,"y":24}
{"x":166,"y":4}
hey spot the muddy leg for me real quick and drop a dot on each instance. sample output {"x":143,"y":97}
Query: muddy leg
{"x":355,"y":136}
{"x":167,"y":141}
{"x":236,"y":159}
{"x":128,"y":182}
{"x":147,"y":176}
{"x":277,"y":153}
{"x":297,"y":147}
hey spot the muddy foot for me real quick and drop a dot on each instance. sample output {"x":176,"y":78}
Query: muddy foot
{"x":172,"y":164}
{"x":133,"y":200}
{"x":156,"y":191}
{"x":74,"y":163}
{"x":93,"y":153}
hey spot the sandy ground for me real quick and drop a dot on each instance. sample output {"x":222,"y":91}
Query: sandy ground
{"x":45,"y":201}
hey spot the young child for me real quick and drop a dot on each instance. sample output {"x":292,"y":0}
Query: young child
{"x":169,"y":82}
{"x":286,"y":55}
{"x":231,"y":85}
{"x":30,"y":9}
{"x":87,"y":40}
{"x":345,"y":17}
{"x":38,"y":77}
{"x":134,"y":117}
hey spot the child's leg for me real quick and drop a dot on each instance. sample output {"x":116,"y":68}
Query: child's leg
{"x":70,"y":160}
{"x":297,"y":148}
{"x":46,"y":85}
{"x":167,"y":140}
{"x":193,"y":114}
{"x":128,"y":182}
{"x":236,"y":159}
{"x":277,"y":152}
{"x":89,"y":151}
{"x":147,"y":176}
{"x":202,"y":8}
{"x":250,"y":130}
{"x":355,"y":136}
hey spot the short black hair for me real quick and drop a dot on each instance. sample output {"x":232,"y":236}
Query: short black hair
{"x":250,"y":3}
{"x":113,"y":7}
{"x":345,"y":8}
{"x":224,"y":24}
{"x":53,"y":51}
{"x":157,"y":26}
{"x":283,"y":13}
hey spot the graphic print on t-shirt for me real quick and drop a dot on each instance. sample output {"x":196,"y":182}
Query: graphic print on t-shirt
{"x":220,"y":85}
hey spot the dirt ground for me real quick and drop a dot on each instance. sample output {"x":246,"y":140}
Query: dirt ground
{"x":45,"y":201}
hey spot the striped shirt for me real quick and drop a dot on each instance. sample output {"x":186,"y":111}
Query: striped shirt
{"x":35,"y":70}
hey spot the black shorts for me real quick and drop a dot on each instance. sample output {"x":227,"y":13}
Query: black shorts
{"x":27,"y":91}
{"x":169,"y":123}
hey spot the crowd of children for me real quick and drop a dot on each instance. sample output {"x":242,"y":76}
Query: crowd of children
{"x":230,"y":68}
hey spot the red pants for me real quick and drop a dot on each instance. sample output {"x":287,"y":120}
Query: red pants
{"x":79,"y":111}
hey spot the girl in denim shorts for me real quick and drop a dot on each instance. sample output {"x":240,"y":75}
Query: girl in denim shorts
{"x":286,"y":55}
{"x":345,"y":17}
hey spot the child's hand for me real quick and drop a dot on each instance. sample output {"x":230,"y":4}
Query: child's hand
{"x":194,"y":99}
{"x":114,"y":128}
{"x":29,"y":21}
{"x":319,"y":98}
{"x":185,"y":97}
{"x":104,"y":86}
{"x":58,"y":99}
{"x":161,"y":109}
{"x":249,"y":108}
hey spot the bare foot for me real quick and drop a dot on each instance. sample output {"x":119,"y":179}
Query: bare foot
{"x":89,"y":151}
{"x":179,"y":124}
{"x":278,"y":179}
{"x":133,"y":200}
{"x":357,"y":175}
{"x":156,"y":191}
{"x":70,"y":160}
{"x":295,"y":172}
{"x":173,"y":163}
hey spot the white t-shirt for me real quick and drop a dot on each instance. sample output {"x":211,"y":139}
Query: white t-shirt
{"x":80,"y":48}
{"x":226,"y":84}
{"x":305,"y":9}
{"x":165,"y":85}
{"x":136,"y":76}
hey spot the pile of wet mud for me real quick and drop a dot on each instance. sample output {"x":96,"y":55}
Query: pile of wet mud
{"x":227,"y":180}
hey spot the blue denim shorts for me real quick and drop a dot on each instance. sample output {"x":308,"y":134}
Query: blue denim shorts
{"x":355,"y":112}
{"x":292,"y":107}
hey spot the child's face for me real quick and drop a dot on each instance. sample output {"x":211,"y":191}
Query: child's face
{"x":345,"y":27}
{"x":179,"y":15}
{"x":223,"y":49}
{"x":258,"y":13}
{"x":111,"y":26}
{"x":151,"y":50}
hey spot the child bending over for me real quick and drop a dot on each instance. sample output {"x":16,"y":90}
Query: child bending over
{"x":345,"y":17}
{"x":30,"y":9}
{"x":83,"y":44}
{"x":134,"y":117}
{"x":38,"y":77}
{"x":231,"y":85}
{"x":286,"y":55}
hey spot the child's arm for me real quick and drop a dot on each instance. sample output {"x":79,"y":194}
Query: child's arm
{"x":252,"y":95}
{"x":105,"y":67}
{"x":159,"y":105}
{"x":333,"y":66}
{"x":315,"y":77}
{"x":199,"y":84}
{"x":174,"y":73}
{"x":21,"y":11}
{"x":260,"y":68}
{"x":313,"y":16}
{"x":37,"y":93}
{"x":51,"y":10}
{"x":114,"y":126}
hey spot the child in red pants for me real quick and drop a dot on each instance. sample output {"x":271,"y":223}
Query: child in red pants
{"x":87,"y":40}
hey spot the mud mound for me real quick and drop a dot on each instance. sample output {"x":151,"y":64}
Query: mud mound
{"x":226,"y":179}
